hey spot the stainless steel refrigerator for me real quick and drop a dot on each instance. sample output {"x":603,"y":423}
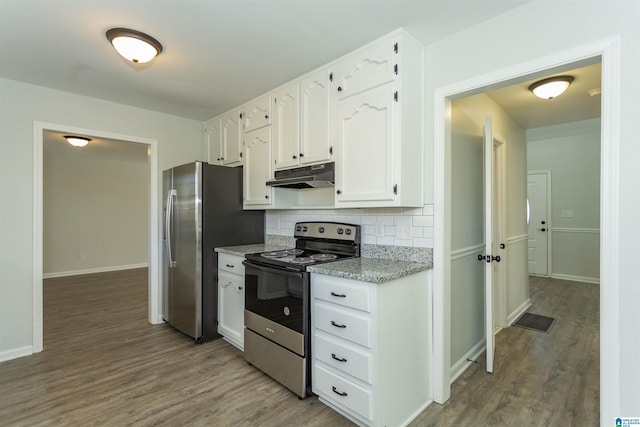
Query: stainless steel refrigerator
{"x":203,"y":210}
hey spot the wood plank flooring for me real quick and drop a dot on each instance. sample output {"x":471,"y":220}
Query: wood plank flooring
{"x":104,"y":365}
{"x":539,"y":379}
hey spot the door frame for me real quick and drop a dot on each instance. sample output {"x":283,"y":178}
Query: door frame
{"x":549,"y":234}
{"x":500,"y":215}
{"x":608,"y":51}
{"x":153,"y":281}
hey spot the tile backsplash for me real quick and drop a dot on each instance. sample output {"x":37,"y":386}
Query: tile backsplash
{"x":411,"y":227}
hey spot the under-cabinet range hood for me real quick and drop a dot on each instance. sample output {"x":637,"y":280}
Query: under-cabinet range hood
{"x":313,"y":176}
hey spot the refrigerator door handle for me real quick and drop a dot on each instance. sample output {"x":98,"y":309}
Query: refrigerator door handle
{"x":167,"y":225}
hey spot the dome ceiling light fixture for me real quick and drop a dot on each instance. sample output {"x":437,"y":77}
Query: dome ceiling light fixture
{"x":133,"y":45}
{"x":551,"y":87}
{"x":77,"y":141}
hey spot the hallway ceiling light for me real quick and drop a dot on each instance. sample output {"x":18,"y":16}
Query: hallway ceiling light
{"x":133,"y":45}
{"x":551,"y":87}
{"x":77,"y":141}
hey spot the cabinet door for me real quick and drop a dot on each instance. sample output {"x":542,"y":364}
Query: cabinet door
{"x":231,"y":138}
{"x":257,"y":170}
{"x":365,"y":169}
{"x":231,"y":307}
{"x":286,"y":128}
{"x":213,"y":141}
{"x":366,"y":69}
{"x":256,"y":114}
{"x":315,"y":118}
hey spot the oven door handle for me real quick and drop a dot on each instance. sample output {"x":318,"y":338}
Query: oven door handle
{"x":272,"y":270}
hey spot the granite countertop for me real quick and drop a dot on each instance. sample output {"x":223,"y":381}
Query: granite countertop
{"x":242,"y":250}
{"x":373,"y":270}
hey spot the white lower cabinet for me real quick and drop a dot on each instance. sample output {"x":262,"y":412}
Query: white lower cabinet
{"x":371,"y":346}
{"x":231,"y":299}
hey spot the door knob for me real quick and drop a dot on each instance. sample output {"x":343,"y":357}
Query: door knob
{"x":543,"y":222}
{"x":541,"y":229}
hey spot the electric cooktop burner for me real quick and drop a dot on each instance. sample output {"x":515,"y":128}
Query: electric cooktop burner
{"x":323,"y":257}
{"x":302,"y":260}
{"x":274,"y":254}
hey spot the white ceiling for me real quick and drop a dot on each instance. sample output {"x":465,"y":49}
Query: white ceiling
{"x":217,"y":53}
{"x":221,"y":53}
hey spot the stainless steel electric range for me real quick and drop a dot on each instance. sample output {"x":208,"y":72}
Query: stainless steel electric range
{"x":277,"y":300}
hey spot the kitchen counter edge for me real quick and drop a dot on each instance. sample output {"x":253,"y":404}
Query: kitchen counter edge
{"x":242,"y":250}
{"x":372,"y":270}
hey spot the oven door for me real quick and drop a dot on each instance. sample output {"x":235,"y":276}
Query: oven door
{"x":276,"y":305}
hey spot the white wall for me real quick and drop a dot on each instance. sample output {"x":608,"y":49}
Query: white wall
{"x":179,"y":141}
{"x":571,"y":152}
{"x":528,"y":33}
{"x":95,"y":212}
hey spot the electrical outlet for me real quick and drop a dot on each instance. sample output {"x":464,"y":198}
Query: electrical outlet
{"x":568,"y":213}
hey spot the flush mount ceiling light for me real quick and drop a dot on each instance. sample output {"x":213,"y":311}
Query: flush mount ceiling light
{"x":551,"y":87}
{"x":77,"y":141}
{"x":133,"y":45}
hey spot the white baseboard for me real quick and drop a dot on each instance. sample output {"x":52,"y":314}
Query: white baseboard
{"x":462,"y":364}
{"x":94,"y":270}
{"x":594,"y":280}
{"x":518,"y":312}
{"x":16,"y":353}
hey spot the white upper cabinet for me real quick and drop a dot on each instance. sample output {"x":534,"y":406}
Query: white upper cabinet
{"x":256,"y":114}
{"x":378,"y":132}
{"x":366,"y":165}
{"x":366,"y":68}
{"x":286,"y":126}
{"x":257,"y":169}
{"x":231,"y":138}
{"x":213,"y":143}
{"x":315,"y":117}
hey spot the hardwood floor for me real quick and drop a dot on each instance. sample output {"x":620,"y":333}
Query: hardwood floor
{"x":104,"y":365}
{"x":539,"y":379}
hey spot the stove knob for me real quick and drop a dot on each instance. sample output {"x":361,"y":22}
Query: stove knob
{"x":298,"y":228}
{"x":340,"y":231}
{"x":304,"y":228}
{"x":348,"y":231}
{"x":320,"y":229}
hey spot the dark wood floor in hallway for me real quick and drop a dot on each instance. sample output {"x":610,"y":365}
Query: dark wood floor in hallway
{"x":103,"y":364}
{"x":539,"y":379}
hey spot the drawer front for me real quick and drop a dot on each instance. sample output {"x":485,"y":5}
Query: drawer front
{"x":342,"y":391}
{"x":338,"y":292}
{"x":340,"y":356}
{"x":342,"y":323}
{"x":231,"y":263}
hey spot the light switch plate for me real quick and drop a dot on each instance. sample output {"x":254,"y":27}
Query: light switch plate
{"x":568,"y":213}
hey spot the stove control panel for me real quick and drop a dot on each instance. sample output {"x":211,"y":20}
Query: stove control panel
{"x":328,"y":230}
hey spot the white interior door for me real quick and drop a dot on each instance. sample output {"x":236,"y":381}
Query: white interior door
{"x":488,"y":239}
{"x":538,"y":244}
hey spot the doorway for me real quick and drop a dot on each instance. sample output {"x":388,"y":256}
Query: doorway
{"x":606,"y":51}
{"x":538,"y":214}
{"x":154,"y":315}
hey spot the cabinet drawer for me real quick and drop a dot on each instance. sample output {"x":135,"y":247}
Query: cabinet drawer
{"x":231,"y":263}
{"x":348,"y":359}
{"x":334,"y":290}
{"x":341,"y":391}
{"x":342,"y":323}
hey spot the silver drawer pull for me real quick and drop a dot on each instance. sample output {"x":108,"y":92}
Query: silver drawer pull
{"x":333,"y":294}
{"x":341,"y":393}
{"x":337,"y":325}
{"x":339,"y":359}
{"x":230,"y":265}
